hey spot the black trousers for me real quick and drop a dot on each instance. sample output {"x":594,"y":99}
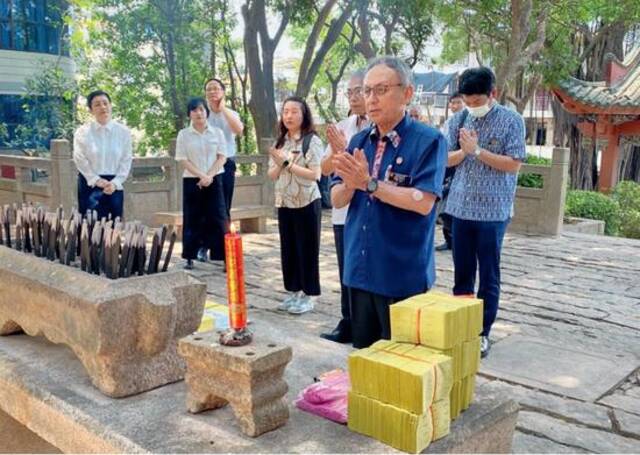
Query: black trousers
{"x":300,"y":247}
{"x":228,"y":183}
{"x":93,"y":198}
{"x":344,"y":326}
{"x":447,"y":222}
{"x":370,"y":320}
{"x":205,"y":218}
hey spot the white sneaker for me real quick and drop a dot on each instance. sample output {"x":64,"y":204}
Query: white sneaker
{"x":485,"y":346}
{"x":303,"y":305}
{"x":290,"y":300}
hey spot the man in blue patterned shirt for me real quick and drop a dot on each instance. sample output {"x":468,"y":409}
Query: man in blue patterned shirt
{"x":487,"y":151}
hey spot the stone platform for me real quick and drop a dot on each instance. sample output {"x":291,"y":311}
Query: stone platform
{"x":44,"y":387}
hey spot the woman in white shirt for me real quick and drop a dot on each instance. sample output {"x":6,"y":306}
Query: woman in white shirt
{"x":202,"y":150}
{"x":294,"y":164}
{"x":102,"y":152}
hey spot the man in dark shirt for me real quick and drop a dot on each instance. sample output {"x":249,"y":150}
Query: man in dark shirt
{"x":391,"y":175}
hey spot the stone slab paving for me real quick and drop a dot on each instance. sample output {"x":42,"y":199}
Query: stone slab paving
{"x":576,"y":292}
{"x":572,"y":372}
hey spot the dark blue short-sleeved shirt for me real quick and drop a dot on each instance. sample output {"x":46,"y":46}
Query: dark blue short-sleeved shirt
{"x":388,"y":250}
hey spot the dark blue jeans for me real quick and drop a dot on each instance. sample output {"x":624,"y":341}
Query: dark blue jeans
{"x":477,"y":246}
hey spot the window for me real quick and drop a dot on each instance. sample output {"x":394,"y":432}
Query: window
{"x":541,"y":135}
{"x":33,"y":25}
{"x":11,"y":114}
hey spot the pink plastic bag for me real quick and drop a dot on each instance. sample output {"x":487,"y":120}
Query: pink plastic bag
{"x":327,"y":398}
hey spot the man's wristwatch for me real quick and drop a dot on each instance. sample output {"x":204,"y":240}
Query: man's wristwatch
{"x":477,"y":151}
{"x":285,"y":164}
{"x":372,"y":185}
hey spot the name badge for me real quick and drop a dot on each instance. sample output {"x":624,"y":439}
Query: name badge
{"x":398,"y":179}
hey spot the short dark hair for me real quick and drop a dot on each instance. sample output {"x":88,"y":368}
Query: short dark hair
{"x":193,"y":104}
{"x":222,"y":86}
{"x":455,"y":95}
{"x":477,"y":81}
{"x":307,"y":121}
{"x":95,"y":94}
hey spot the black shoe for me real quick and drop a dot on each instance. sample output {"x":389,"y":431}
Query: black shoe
{"x":337,"y":336}
{"x":189,"y":265}
{"x":443,"y":247}
{"x":202,"y":255}
{"x":485,"y":347}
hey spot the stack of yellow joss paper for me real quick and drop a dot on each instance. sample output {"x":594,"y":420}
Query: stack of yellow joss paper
{"x":447,"y":325}
{"x":400,"y":394}
{"x":405,"y":392}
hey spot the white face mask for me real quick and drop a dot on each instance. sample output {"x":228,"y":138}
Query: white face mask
{"x":479,"y":111}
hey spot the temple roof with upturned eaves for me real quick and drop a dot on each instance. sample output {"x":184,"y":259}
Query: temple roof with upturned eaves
{"x":618,"y":94}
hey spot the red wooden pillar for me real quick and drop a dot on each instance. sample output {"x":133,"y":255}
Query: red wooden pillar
{"x":609,"y":164}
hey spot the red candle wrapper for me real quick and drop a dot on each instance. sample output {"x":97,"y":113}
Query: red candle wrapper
{"x":235,"y":280}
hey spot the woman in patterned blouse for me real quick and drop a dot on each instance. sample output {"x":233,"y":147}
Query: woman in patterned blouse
{"x":294,"y":165}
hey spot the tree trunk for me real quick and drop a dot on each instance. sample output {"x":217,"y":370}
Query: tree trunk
{"x":309,"y":68}
{"x":172,"y":14}
{"x":259,"y":48}
{"x":519,"y":52}
{"x":214,"y":31}
{"x":365,"y":45}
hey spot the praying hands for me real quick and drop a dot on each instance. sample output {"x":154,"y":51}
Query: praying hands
{"x":353,"y":169}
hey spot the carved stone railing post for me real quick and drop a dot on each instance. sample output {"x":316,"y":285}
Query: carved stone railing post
{"x":64,"y":175}
{"x":268,"y":192}
{"x":557,"y":190}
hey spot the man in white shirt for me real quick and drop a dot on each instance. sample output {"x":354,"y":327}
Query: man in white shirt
{"x":229,"y":122}
{"x":339,"y":136}
{"x":102,"y":151}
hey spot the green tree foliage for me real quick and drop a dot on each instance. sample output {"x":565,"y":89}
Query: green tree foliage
{"x":149,"y":55}
{"x":627,"y":195}
{"x":49,"y":110}
{"x":4,"y":132}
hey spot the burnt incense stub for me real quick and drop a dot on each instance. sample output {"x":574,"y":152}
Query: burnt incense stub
{"x":249,"y":378}
{"x":124,"y":332}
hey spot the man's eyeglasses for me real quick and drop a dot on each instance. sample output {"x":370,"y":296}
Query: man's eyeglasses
{"x":356,"y":91}
{"x":379,"y":90}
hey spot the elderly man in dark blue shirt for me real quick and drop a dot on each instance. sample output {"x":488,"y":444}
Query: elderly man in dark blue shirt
{"x":391,"y":174}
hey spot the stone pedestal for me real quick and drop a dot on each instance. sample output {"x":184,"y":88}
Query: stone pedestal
{"x":123,"y":331}
{"x":250,"y":378}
